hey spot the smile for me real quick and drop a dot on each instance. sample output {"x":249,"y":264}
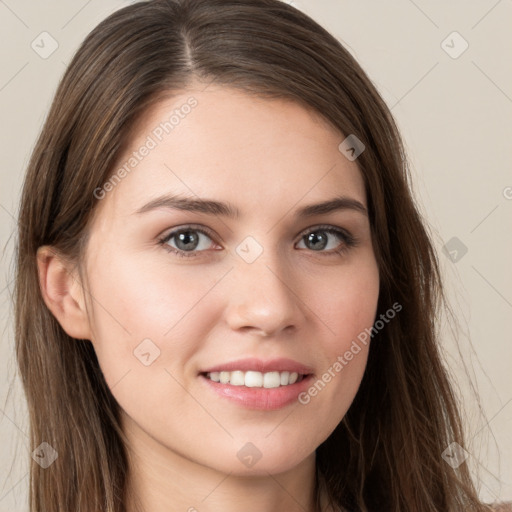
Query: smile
{"x":256,"y":384}
{"x":252,"y":379}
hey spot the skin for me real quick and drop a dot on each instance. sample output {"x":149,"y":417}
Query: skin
{"x":268,"y":158}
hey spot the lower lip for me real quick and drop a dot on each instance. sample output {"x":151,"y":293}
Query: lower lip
{"x":265,"y":399}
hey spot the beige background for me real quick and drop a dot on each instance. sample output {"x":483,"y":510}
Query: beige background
{"x":456,"y":117}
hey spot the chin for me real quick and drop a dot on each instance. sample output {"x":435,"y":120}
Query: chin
{"x":273,"y":466}
{"x":261,"y":456}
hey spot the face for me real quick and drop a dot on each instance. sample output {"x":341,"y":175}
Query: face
{"x":217,"y":325}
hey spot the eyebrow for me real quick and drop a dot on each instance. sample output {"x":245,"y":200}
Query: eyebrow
{"x":211,"y":207}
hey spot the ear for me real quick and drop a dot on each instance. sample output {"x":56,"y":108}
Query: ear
{"x":63,"y":293}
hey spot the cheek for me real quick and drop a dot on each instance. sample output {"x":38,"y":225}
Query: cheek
{"x":148,"y":325}
{"x":142,"y":308}
{"x":347,"y":304}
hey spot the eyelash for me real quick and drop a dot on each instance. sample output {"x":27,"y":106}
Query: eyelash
{"x":348,"y":240}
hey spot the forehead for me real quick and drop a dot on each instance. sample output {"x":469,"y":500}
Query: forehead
{"x":224,"y":144}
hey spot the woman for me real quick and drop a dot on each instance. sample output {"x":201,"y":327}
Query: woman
{"x":225,"y":295}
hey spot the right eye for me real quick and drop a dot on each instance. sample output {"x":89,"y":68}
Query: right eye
{"x":188,"y":240}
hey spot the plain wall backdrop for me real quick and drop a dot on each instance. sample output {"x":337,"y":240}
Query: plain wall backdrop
{"x":444,"y":69}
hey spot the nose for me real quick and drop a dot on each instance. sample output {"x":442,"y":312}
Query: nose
{"x":263,"y":297}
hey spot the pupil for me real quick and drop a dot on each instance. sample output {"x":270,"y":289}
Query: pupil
{"x":185,"y":238}
{"x":313,"y":239}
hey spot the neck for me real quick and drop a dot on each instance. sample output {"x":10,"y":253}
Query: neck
{"x":161,"y":480}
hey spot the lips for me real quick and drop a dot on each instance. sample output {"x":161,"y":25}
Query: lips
{"x":258,"y":384}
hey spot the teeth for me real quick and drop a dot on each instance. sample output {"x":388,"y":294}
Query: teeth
{"x":237,"y":379}
{"x":255,"y":379}
{"x":271,"y":380}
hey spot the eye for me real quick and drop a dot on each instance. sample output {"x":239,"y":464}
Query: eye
{"x":188,"y":240}
{"x":328,"y":237}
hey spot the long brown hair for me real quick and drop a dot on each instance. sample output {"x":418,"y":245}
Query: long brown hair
{"x":386,"y":453}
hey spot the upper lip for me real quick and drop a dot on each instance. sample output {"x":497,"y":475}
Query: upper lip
{"x":259,"y":365}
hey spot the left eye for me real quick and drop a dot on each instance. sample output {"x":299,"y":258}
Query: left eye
{"x":318,"y":239}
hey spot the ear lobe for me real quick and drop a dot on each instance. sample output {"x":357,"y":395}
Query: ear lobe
{"x":62,"y":292}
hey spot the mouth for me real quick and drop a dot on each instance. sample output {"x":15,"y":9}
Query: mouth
{"x":256,"y":384}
